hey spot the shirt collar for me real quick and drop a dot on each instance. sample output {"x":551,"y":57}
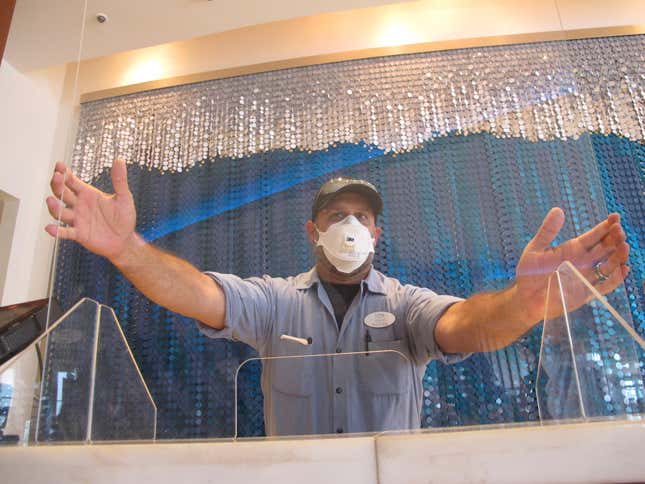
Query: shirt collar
{"x":373,"y":281}
{"x":307,"y":279}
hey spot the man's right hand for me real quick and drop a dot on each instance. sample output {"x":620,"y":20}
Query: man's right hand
{"x":102,"y":223}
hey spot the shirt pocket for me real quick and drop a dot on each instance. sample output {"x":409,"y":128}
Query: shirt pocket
{"x":292,"y":372}
{"x":384,"y":372}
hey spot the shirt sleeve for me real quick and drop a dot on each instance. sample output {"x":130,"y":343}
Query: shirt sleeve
{"x":248,"y":309}
{"x":425,"y":308}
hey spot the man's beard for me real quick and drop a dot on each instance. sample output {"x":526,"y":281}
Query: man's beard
{"x":321,"y":258}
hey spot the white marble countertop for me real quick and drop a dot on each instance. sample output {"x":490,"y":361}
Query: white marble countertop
{"x":574,"y":452}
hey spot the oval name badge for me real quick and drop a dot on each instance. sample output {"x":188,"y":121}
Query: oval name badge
{"x":380,"y":319}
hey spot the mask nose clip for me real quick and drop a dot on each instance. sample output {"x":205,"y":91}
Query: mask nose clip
{"x":351,"y":220}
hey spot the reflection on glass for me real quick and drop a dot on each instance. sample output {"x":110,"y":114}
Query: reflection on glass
{"x":64,"y":403}
{"x":589,"y":364}
{"x":123,"y":407}
{"x":78,"y":382}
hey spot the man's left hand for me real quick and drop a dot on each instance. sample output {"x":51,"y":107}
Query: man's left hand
{"x":604,"y":244}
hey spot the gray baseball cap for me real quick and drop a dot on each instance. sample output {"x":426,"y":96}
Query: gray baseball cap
{"x":336,"y":186}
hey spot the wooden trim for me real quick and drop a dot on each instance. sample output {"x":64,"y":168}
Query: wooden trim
{"x":6,"y":12}
{"x":365,"y":54}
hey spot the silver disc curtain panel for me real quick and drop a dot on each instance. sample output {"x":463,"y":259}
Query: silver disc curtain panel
{"x":470,"y":148}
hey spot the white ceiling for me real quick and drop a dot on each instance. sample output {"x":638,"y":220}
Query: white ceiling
{"x":48,"y":32}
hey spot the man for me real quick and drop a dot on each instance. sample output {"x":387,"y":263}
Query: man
{"x":381,"y":333}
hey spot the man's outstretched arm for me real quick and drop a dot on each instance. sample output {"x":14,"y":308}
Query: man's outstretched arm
{"x":490,"y":321}
{"x":104,"y":224}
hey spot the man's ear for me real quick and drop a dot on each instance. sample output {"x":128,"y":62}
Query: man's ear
{"x":310,"y":227}
{"x":377,"y":233}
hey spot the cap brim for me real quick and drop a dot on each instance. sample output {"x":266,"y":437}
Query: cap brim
{"x":370,"y":194}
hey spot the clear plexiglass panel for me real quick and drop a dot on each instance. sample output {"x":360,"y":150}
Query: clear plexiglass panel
{"x":123,"y":407}
{"x":306,"y":393}
{"x":78,"y":382}
{"x":590,"y":355}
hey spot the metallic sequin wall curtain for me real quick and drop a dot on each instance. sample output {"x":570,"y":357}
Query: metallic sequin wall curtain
{"x":470,"y":148}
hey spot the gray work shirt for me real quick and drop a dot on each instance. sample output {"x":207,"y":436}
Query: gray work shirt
{"x":371,"y":391}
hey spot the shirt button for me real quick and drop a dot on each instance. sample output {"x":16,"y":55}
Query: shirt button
{"x":339,"y":390}
{"x":338,"y":350}
{"x":339,"y":430}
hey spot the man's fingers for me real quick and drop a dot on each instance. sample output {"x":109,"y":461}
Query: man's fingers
{"x":619,"y":256}
{"x":54,"y":230}
{"x":119,"y":174}
{"x":549,"y":230}
{"x":63,"y":174}
{"x":60,"y":167}
{"x":594,"y":235}
{"x":60,"y":188}
{"x":611,"y":267}
{"x":610,"y":257}
{"x":614,"y":280}
{"x":59,"y":211}
{"x":607,"y":245}
{"x":597,"y":253}
{"x":74,"y":182}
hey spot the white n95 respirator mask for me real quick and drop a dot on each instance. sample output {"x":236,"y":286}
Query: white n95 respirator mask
{"x":346,"y":244}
